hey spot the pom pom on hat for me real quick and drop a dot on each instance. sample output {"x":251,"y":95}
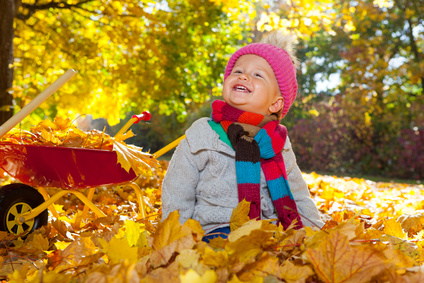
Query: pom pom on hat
{"x":280,"y":62}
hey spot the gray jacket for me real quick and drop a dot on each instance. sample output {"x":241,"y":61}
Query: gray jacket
{"x":201,"y":182}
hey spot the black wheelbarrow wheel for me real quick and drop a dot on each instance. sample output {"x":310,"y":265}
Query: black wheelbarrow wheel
{"x":15,"y":200}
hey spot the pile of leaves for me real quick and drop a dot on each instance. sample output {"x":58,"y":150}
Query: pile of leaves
{"x":373,"y":232}
{"x":64,"y":132}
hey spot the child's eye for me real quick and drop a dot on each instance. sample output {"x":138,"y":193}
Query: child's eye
{"x":237,"y":72}
{"x":258,"y":75}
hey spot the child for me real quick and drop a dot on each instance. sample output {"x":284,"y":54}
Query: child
{"x":242,"y":152}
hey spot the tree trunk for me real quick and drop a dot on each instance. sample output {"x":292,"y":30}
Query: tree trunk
{"x":7,"y":13}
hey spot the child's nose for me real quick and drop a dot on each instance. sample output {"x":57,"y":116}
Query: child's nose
{"x":244,"y":77}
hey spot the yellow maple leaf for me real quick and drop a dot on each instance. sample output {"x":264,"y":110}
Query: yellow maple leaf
{"x":119,"y":249}
{"x":49,"y":138}
{"x":60,"y":245}
{"x":192,"y":226}
{"x":63,"y":123}
{"x":124,"y":136}
{"x":240,"y":215}
{"x":192,"y":276}
{"x":244,"y":230}
{"x":48,"y":277}
{"x":214,"y":258}
{"x":135,"y":234}
{"x":336,"y":261}
{"x":394,"y":228}
{"x":168,"y":231}
{"x":188,"y":258}
{"x":131,"y":157}
{"x":255,"y":279}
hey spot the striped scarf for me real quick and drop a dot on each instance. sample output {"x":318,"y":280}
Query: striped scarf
{"x":258,"y":141}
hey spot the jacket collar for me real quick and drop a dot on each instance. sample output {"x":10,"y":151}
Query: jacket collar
{"x":200,"y":136}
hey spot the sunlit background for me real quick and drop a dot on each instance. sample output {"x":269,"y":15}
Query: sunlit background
{"x":360,"y":101}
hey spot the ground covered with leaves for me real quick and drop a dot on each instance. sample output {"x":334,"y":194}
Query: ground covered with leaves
{"x":373,"y":233}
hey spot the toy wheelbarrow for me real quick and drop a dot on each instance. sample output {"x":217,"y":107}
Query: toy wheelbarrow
{"x":23,"y":206}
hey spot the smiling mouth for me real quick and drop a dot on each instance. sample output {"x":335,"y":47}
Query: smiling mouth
{"x":241,"y":88}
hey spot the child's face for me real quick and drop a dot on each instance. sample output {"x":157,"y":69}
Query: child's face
{"x":252,"y":86}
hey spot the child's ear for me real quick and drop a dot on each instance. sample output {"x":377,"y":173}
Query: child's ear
{"x":277,"y":105}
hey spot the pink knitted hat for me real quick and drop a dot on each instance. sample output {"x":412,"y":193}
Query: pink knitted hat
{"x":281,"y":64}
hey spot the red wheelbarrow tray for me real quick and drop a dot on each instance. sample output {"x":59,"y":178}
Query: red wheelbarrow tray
{"x":62,"y":167}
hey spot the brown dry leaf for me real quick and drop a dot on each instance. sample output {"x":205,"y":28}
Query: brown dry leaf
{"x":398,"y":259}
{"x":80,"y":252}
{"x":122,"y":272}
{"x":408,"y":248}
{"x":36,"y":242}
{"x":412,"y":275}
{"x":6,"y":237}
{"x":247,"y":247}
{"x":265,"y":264}
{"x":62,"y":132}
{"x":74,"y":138}
{"x":314,"y":238}
{"x":218,"y":243}
{"x":369,"y":235}
{"x":411,"y":222}
{"x":59,"y":124}
{"x":171,"y":237}
{"x":169,"y":274}
{"x":255,"y":279}
{"x":289,"y":272}
{"x":240,"y":215}
{"x":336,"y":261}
{"x":295,"y":274}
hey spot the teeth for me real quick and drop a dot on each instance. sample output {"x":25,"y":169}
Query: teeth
{"x":241,"y":88}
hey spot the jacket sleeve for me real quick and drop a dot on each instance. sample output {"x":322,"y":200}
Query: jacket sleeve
{"x":179,"y":184}
{"x":305,"y":204}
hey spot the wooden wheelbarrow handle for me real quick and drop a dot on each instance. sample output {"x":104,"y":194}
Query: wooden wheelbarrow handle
{"x":168,"y":147}
{"x":18,"y":117}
